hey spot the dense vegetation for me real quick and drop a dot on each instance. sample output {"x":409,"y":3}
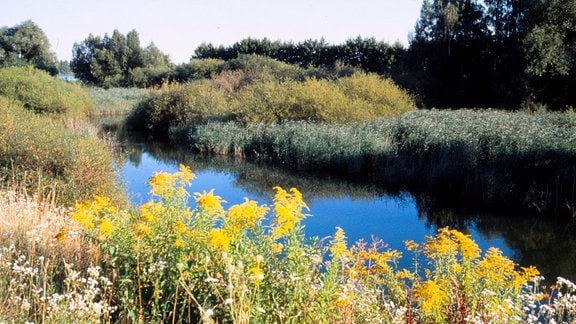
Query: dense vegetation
{"x":263,"y":90}
{"x":44,"y":146}
{"x":165,"y":261}
{"x":463,"y":53}
{"x":118,"y":61}
{"x":513,"y":160}
{"x":26,"y":44}
{"x":36,"y":90}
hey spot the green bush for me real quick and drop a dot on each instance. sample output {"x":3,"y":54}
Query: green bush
{"x":359,"y":97}
{"x":175,"y":105}
{"x":36,"y":152}
{"x":42,"y":93}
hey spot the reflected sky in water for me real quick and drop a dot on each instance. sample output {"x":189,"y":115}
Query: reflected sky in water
{"x":393,"y":219}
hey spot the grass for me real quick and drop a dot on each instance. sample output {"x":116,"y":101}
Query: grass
{"x":165,"y":261}
{"x":114,"y":101}
{"x":508,"y":159}
{"x":43,"y":154}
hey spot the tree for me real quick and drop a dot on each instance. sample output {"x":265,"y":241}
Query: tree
{"x":550,"y":52}
{"x":26,"y":44}
{"x":118,"y":60}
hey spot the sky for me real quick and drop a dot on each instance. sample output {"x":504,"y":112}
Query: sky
{"x":178,"y":27}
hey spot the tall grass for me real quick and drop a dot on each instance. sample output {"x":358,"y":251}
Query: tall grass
{"x":519,"y":160}
{"x":115,"y":101}
{"x":38,"y":153}
{"x":38,"y":91}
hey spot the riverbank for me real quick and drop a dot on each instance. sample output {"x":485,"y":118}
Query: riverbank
{"x":511,"y":160}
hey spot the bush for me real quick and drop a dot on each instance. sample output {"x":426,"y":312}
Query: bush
{"x":38,"y":91}
{"x":175,"y":105}
{"x":36,"y":152}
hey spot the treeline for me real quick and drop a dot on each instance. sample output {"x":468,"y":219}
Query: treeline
{"x":493,"y":53}
{"x":462,"y":53}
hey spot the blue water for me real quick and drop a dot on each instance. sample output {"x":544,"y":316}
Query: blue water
{"x":393,"y":219}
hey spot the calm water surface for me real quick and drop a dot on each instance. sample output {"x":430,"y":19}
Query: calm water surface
{"x":393,"y":218}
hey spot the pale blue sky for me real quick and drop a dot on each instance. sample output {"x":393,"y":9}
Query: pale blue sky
{"x":177,"y":27}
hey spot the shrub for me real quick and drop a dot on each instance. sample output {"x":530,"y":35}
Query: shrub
{"x":36,"y":152}
{"x":175,"y":105}
{"x":38,"y":91}
{"x":383,"y":97}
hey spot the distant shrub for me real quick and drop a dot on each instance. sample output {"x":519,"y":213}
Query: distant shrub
{"x":359,"y":97}
{"x":42,"y":93}
{"x":36,"y":152}
{"x":175,"y":105}
{"x":199,"y":69}
{"x":382,"y":96}
{"x":261,"y":68}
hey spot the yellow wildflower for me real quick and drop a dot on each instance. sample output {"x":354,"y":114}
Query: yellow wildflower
{"x":218,"y":239}
{"x":243,"y":216}
{"x":185,"y":174}
{"x":411,"y":245}
{"x":106,"y":228}
{"x":209,"y":202}
{"x":141,"y":230}
{"x":468,"y":248}
{"x":432,"y":298}
{"x":288,"y":208}
{"x":338,"y":247}
{"x":83,"y":215}
{"x":256,"y":272}
{"x":161,"y":183}
{"x":149,"y":211}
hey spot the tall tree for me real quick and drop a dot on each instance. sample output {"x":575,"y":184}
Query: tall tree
{"x":118,"y":60}
{"x":26,"y":44}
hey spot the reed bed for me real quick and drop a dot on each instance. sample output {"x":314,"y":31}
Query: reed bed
{"x":512,"y":159}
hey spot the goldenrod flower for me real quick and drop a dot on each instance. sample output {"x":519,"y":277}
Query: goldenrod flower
{"x":218,"y":239}
{"x":106,"y":228}
{"x":209,"y":202}
{"x":467,"y":246}
{"x":338,"y":247}
{"x":288,"y":208}
{"x":432,"y":298}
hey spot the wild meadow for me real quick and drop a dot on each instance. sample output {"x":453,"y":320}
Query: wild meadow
{"x":164,"y":261}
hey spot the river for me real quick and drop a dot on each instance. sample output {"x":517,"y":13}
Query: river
{"x":363,"y":210}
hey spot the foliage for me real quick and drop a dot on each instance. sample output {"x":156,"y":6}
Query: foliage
{"x":176,"y":105}
{"x":519,"y":160}
{"x":26,"y":44}
{"x":367,"y":54}
{"x":42,"y":93}
{"x":115,"y":100}
{"x":38,"y":153}
{"x":168,"y":262}
{"x":118,"y":61}
{"x":226,"y":97}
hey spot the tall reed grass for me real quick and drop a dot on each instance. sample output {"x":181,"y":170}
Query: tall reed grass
{"x":512,"y":159}
{"x":45,"y":154}
{"x":114,"y":101}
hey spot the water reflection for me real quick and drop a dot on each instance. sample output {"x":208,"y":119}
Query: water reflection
{"x":360,"y":206}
